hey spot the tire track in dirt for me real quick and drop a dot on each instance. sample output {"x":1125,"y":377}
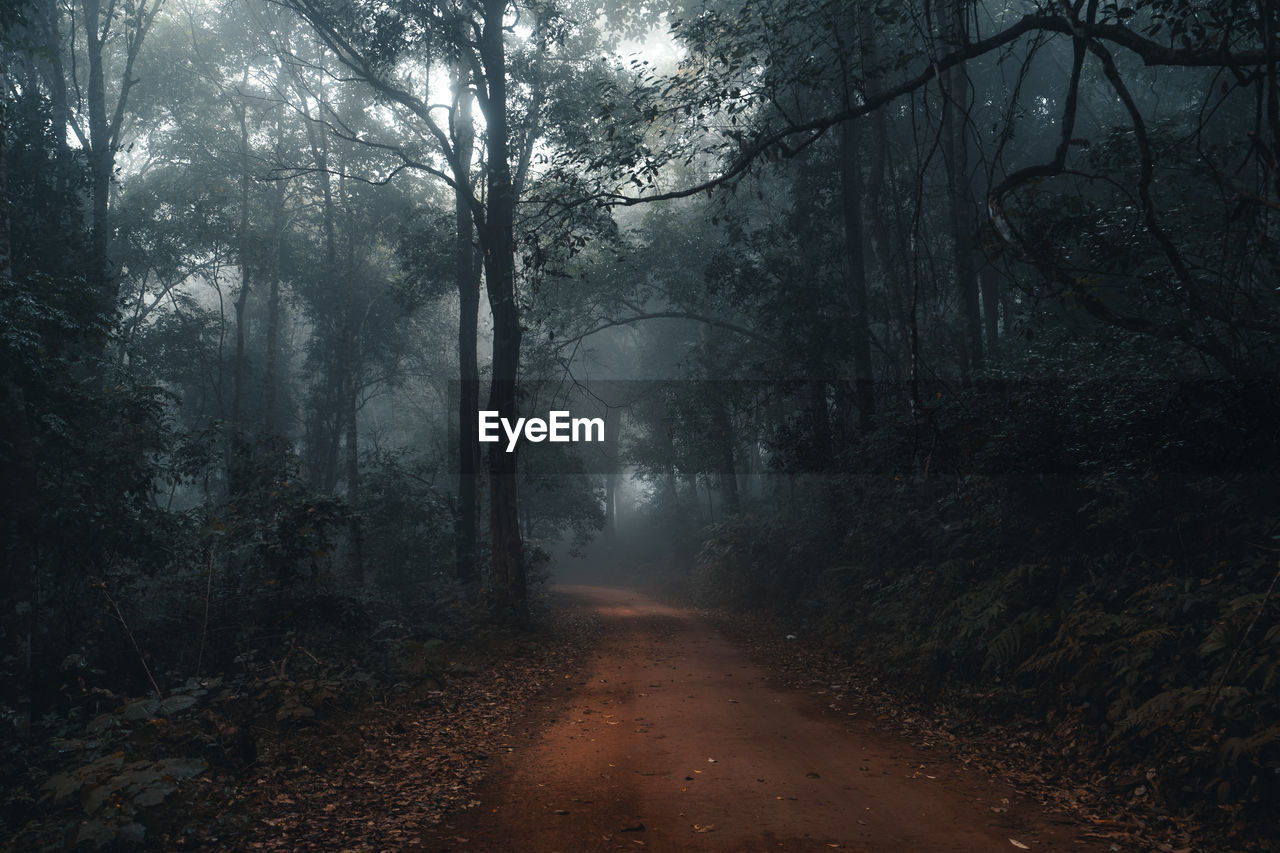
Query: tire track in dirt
{"x":672,"y":739}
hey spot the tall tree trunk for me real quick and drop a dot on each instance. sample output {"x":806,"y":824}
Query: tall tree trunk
{"x":131,"y":25}
{"x":52,"y":22}
{"x":892,"y":232}
{"x":499,"y":265}
{"x":819,"y":423}
{"x":355,"y":531}
{"x":6,"y":234}
{"x":612,"y":430}
{"x":324,"y":438}
{"x":101,"y":157}
{"x":271,"y":378}
{"x":237,"y":461}
{"x":665,"y":434}
{"x":955,"y":152}
{"x":328,"y":418}
{"x":722,"y":427}
{"x":818,"y":355}
{"x":991,"y":304}
{"x":349,"y":371}
{"x":892,"y":258}
{"x":467,"y":277}
{"x":855,"y":271}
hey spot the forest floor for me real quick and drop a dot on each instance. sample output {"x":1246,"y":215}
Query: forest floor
{"x":672,"y":737}
{"x":620,"y":722}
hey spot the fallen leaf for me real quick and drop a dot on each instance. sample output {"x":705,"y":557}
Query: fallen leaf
{"x":1018,"y":844}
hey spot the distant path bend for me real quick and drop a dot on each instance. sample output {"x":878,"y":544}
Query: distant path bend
{"x":671,"y":739}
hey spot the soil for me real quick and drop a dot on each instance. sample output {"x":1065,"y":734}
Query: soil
{"x":672,"y":738}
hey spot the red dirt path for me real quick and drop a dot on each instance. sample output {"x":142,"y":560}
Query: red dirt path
{"x":671,"y":739}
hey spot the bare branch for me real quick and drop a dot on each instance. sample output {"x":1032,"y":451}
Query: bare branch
{"x":1152,"y":53}
{"x":671,"y":315}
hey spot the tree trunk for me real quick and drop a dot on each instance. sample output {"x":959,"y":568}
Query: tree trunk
{"x":855,"y":271}
{"x":890,"y":248}
{"x":665,"y":434}
{"x":722,"y":427}
{"x":499,"y":265}
{"x":328,"y":417}
{"x":955,"y":152}
{"x":991,"y":301}
{"x":349,"y":370}
{"x":819,"y":425}
{"x":467,"y":277}
{"x":271,"y":380}
{"x":100,"y":155}
{"x":61,"y":113}
{"x":355,"y":531}
{"x":818,"y":354}
{"x":711,"y":506}
{"x":612,"y":430}
{"x":6,"y":236}
{"x":238,"y":462}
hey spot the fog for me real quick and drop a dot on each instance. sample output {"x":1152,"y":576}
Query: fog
{"x":946,"y":329}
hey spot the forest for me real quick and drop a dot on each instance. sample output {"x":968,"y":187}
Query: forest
{"x":937,"y":339}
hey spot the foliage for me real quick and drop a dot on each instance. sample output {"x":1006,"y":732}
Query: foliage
{"x":560,"y":497}
{"x":1108,"y":560}
{"x":408,"y":525}
{"x":971,"y":333}
{"x":83,"y":434}
{"x":278,"y":532}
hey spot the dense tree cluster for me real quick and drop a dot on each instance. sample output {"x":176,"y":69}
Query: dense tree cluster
{"x":949,"y":324}
{"x":987,"y":396}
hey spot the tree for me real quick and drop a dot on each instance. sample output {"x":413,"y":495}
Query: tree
{"x":467,"y":266}
{"x":389,"y":48}
{"x":82,"y":455}
{"x":1183,"y":36}
{"x":89,"y":108}
{"x":19,"y":563}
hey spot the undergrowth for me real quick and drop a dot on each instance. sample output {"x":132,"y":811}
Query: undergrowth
{"x":1129,"y":604}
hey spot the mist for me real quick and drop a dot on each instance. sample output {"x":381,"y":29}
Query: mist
{"x":938,"y":337}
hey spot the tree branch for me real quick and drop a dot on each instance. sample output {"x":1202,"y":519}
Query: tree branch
{"x":672,"y":315}
{"x":1152,"y":53}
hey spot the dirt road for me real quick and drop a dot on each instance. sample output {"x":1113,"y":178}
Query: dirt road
{"x":672,"y":739}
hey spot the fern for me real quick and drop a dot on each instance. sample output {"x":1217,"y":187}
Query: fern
{"x":1237,"y":748}
{"x":1228,"y":631}
{"x":1004,"y":647}
{"x":1153,"y":636}
{"x":1172,"y":708}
